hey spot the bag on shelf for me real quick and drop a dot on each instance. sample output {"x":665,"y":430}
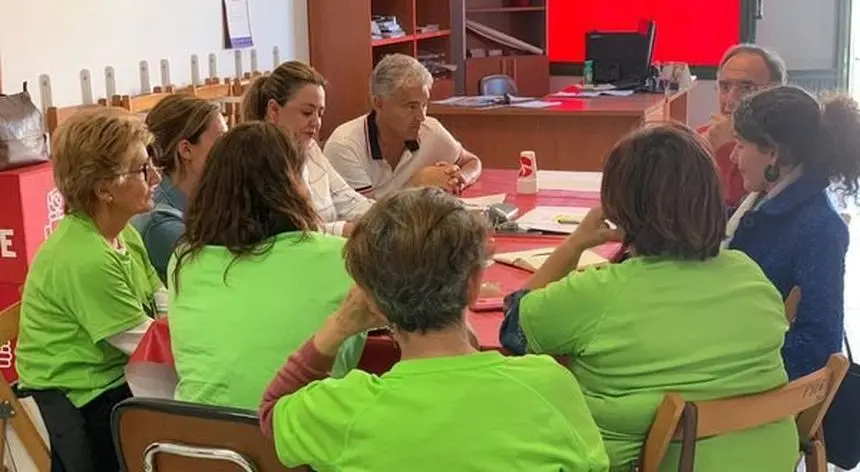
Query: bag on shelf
{"x":22,"y":131}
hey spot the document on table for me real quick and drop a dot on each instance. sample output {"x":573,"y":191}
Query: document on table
{"x":532,"y":260}
{"x":571,"y":181}
{"x":535,"y":104}
{"x":593,"y":94}
{"x":551,"y":219}
{"x":484,"y":201}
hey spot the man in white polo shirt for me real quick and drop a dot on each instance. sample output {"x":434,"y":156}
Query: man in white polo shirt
{"x":397,"y":145}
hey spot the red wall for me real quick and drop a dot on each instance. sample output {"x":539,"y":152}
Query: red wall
{"x":693,"y":31}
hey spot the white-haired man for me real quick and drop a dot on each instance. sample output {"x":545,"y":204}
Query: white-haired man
{"x":397,"y":145}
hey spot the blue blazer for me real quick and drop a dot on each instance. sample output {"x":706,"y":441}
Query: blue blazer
{"x":799,"y":239}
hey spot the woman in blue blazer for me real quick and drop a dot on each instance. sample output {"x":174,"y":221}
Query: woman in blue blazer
{"x":790,"y":149}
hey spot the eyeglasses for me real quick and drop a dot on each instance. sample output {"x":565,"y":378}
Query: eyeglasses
{"x":148,"y":170}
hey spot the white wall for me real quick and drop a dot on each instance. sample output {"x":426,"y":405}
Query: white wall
{"x":803,"y":32}
{"x":61,"y":37}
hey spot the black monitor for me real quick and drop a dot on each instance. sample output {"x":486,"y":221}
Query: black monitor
{"x":621,"y":58}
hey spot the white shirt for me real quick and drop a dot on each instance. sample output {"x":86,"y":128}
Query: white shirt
{"x":334,"y":200}
{"x":353,"y":149}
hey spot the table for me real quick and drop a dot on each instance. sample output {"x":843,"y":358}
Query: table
{"x":575,"y":135}
{"x":150,"y":370}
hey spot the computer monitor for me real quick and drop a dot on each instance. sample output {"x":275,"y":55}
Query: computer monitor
{"x":621,"y":58}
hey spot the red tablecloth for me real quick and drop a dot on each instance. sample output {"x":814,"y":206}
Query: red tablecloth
{"x":381,"y":352}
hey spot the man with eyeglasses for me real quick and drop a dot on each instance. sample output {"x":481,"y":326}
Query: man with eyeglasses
{"x":744,"y":69}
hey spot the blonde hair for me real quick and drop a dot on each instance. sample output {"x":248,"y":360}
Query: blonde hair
{"x":92,"y":147}
{"x":178,"y":118}
{"x":281,"y":85}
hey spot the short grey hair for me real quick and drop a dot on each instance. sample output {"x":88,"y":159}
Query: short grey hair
{"x":415,"y":253}
{"x":775,"y":64}
{"x":395,"y":72}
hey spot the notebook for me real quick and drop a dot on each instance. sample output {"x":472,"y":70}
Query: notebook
{"x":533,"y":259}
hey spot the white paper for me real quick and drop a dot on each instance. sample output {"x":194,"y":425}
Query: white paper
{"x":594,"y":94}
{"x":535,"y":104}
{"x":546,"y":218}
{"x":570,"y":181}
{"x":485,"y":200}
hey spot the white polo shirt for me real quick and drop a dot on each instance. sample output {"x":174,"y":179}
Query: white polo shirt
{"x":353,"y":150}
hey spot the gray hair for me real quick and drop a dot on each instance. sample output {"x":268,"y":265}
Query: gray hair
{"x":395,"y":72}
{"x":775,"y":64}
{"x":415,"y":253}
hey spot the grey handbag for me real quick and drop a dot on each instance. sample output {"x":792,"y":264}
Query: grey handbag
{"x":22,"y":131}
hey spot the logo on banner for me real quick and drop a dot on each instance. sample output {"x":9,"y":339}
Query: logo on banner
{"x":6,"y":356}
{"x":55,"y":205}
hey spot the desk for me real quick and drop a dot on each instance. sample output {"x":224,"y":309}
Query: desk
{"x":575,"y":135}
{"x":150,"y":370}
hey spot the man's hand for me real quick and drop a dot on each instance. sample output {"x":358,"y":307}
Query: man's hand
{"x":443,"y":175}
{"x":720,"y":131}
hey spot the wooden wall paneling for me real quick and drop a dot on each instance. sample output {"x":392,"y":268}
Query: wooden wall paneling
{"x":339,"y":33}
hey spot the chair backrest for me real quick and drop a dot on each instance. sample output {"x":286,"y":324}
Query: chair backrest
{"x":805,"y":399}
{"x":142,"y":103}
{"x":791,"y":303}
{"x":164,"y":435}
{"x":55,"y":116}
{"x":498,"y":84}
{"x":11,"y":410}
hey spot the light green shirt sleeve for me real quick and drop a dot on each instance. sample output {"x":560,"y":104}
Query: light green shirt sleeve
{"x":312,"y":426}
{"x":102,"y":300}
{"x":563,"y":317}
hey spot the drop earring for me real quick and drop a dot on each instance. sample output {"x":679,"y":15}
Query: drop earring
{"x":771,"y":173}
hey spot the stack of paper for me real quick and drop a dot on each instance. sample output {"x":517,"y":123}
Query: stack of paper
{"x":561,"y":220}
{"x":484,"y":201}
{"x":532,"y":260}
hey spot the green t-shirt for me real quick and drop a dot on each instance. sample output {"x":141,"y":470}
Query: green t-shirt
{"x":80,"y":291}
{"x":230,"y":336}
{"x":646,"y":327}
{"x":474,"y":412}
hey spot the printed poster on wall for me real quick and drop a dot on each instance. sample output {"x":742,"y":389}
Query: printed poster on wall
{"x":237,"y":24}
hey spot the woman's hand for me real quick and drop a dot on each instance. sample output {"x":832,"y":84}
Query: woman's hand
{"x":353,"y":317}
{"x":594,"y":230}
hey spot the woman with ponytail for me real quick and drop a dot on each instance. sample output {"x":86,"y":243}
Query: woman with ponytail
{"x":790,"y":149}
{"x":293,"y":98}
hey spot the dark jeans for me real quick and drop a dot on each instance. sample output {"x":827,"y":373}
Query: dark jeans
{"x":81,"y":439}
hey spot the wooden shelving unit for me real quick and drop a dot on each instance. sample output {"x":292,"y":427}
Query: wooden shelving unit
{"x":525,"y":22}
{"x":341,"y":47}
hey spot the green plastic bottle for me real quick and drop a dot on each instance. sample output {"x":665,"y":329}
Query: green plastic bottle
{"x":588,"y":73}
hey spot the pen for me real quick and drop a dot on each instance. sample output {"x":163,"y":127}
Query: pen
{"x":567,"y":220}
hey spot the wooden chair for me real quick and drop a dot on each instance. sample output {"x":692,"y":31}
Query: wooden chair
{"x":164,"y":435}
{"x":142,"y":103}
{"x":806,"y":399}
{"x":55,"y":116}
{"x":791,"y":303}
{"x":12,"y":413}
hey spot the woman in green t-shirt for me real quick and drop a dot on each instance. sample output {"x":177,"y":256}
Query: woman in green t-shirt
{"x":253,"y":276}
{"x":91,"y":290}
{"x":679,"y":315}
{"x":417,"y":258}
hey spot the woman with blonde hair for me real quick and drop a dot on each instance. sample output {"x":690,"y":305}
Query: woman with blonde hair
{"x":293,"y":98}
{"x":252,"y":269}
{"x":185,"y":127}
{"x":91,"y":291}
